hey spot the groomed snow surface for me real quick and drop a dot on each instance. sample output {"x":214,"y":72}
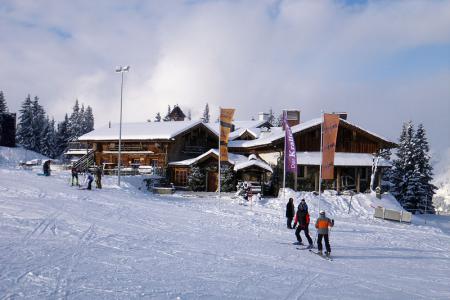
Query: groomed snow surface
{"x":57,"y":241}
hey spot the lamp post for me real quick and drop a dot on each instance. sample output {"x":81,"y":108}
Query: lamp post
{"x":120,"y":70}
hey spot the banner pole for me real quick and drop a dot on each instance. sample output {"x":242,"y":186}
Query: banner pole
{"x":219,"y":155}
{"x":284,"y":162}
{"x":321,"y":161}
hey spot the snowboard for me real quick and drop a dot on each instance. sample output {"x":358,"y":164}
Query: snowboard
{"x":321,"y":255}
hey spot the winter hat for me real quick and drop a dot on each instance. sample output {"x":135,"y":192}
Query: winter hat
{"x":322,"y":212}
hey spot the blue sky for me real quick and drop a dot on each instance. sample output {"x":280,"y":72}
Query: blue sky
{"x":384,"y":62}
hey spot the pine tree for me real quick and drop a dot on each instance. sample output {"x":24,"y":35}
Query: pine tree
{"x":88,"y":120}
{"x":196,"y":179}
{"x":386,"y":177}
{"x":62,"y":136}
{"x":38,"y":124}
{"x":48,"y":139}
{"x":158,"y":117}
{"x":227,"y":178}
{"x":271,"y":118}
{"x":25,"y":127}
{"x":74,"y":122}
{"x":403,"y":166}
{"x":82,"y":120}
{"x":3,"y":106}
{"x":167,"y":117}
{"x":206,"y":116}
{"x":424,"y":171}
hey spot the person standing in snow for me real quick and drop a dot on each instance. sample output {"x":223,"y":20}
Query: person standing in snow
{"x":89,"y":179}
{"x":75,"y":176}
{"x":322,"y":225}
{"x":302,"y":218}
{"x":290,"y":212}
{"x":46,"y":168}
{"x":98,"y":177}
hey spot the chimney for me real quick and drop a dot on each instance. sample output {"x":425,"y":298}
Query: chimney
{"x":293,"y":117}
{"x":262,"y":116}
{"x":109,"y":124}
{"x":342,"y":115}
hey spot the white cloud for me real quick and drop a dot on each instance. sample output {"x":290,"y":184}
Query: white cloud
{"x":311,"y":55}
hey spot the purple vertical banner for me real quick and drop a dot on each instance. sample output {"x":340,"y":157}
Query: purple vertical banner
{"x":290,"y":154}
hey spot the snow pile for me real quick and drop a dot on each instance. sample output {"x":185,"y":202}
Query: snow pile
{"x":13,"y":156}
{"x":441,"y":199}
{"x":344,"y":206}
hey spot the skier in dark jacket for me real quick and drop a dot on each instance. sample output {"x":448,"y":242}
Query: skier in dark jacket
{"x":46,"y":168}
{"x":302,"y":219}
{"x":75,"y":176}
{"x":98,"y":177}
{"x":290,"y":212}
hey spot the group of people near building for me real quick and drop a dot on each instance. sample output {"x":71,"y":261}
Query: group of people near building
{"x":89,"y":177}
{"x":301,"y":223}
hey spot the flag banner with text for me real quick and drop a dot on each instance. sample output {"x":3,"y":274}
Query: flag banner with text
{"x":226,"y":119}
{"x":330,"y":129}
{"x":290,"y":153}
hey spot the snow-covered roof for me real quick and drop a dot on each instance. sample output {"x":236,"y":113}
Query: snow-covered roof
{"x":252,"y":162}
{"x":239,"y":161}
{"x":341,"y":159}
{"x":77,"y":151}
{"x":145,"y":130}
{"x":277,"y":133}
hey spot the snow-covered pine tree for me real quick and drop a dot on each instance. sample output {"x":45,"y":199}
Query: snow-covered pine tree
{"x":404,"y":174}
{"x":167,"y":116}
{"x":158,"y":117}
{"x":82,"y":120}
{"x":278,"y":121}
{"x":403,"y":165}
{"x":48,"y":139}
{"x":74,"y":122}
{"x":3,"y":106}
{"x":38,"y":124}
{"x":62,"y":136}
{"x":424,"y":171}
{"x":206,"y":115}
{"x":386,"y":178}
{"x":25,"y":126}
{"x":88,"y":120}
{"x":271,"y":118}
{"x":196,"y":179}
{"x":227,"y":178}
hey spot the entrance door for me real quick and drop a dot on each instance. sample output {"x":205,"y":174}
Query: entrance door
{"x":212,"y":182}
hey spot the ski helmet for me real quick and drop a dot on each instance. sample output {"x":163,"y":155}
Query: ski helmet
{"x":322,"y":212}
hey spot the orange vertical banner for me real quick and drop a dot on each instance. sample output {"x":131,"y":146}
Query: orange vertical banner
{"x":330,"y":130}
{"x":226,"y":118}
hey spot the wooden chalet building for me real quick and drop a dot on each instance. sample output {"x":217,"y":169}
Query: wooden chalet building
{"x":172,"y":148}
{"x":355,"y":152}
{"x":149,"y":144}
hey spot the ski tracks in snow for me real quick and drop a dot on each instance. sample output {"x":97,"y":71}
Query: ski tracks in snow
{"x":62,"y":290}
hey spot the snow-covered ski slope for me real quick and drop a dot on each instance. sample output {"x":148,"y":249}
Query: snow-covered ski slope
{"x":57,"y":241}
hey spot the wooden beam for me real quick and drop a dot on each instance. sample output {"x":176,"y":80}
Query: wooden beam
{"x":358,"y":180}
{"x":338,"y":179}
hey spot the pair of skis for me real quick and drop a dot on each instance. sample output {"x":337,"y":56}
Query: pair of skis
{"x":314,"y":252}
{"x":329,"y":258}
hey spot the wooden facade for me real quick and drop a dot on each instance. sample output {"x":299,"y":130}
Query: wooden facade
{"x":156,"y":153}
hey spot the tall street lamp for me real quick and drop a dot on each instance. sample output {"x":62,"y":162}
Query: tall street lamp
{"x":120,"y":70}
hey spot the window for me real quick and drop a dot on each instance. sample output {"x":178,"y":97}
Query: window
{"x":181,"y":177}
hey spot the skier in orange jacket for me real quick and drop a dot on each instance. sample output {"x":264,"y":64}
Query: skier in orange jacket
{"x":322,"y":225}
